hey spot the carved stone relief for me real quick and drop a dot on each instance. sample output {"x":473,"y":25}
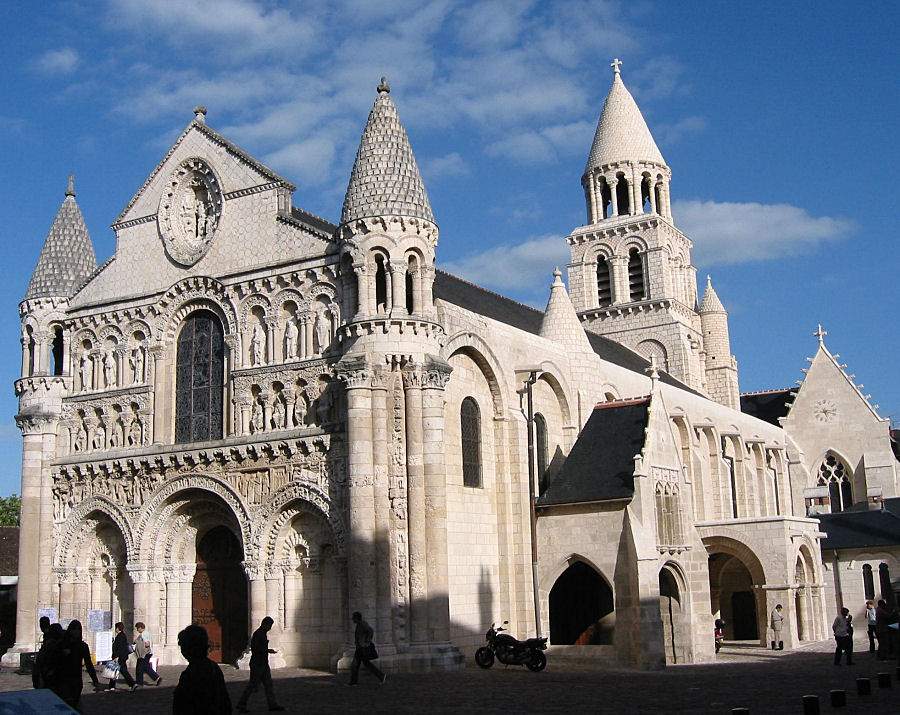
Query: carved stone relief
{"x":189,"y":211}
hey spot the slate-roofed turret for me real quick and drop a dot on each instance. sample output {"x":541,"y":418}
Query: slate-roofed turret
{"x":67,"y":258}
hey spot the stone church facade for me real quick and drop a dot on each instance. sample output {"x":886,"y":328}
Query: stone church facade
{"x":248,"y":410}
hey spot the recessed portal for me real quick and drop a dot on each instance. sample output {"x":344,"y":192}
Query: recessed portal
{"x":581,"y":608}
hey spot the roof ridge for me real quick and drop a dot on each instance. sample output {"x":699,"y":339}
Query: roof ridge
{"x":770,"y":391}
{"x":493,"y":293}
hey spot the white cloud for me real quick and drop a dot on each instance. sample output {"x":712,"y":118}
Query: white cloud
{"x":673,"y":132}
{"x":61,"y":61}
{"x":523,"y":269}
{"x":728,"y":232}
{"x":451,"y":164}
{"x":544,"y":145}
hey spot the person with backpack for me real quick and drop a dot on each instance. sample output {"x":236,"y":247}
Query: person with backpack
{"x":120,"y":652}
{"x":143,"y":649}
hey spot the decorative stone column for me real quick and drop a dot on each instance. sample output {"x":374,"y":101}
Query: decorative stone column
{"x":613,"y":198}
{"x":398,"y":286}
{"x":274,"y":572}
{"x":140,"y":577}
{"x":592,"y":197}
{"x":380,"y":456}
{"x":257,"y":588}
{"x":271,"y":330}
{"x":618,"y":267}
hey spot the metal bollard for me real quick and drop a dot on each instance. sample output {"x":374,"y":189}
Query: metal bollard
{"x":810,"y":705}
{"x":884,"y":680}
{"x":863,"y":686}
{"x":838,"y":698}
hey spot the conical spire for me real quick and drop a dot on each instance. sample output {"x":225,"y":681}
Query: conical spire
{"x":622,"y":134}
{"x":711,"y":302}
{"x":385,"y":180}
{"x":67,"y":257}
{"x":561,"y":323}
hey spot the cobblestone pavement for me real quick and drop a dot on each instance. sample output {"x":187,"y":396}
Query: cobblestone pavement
{"x":764,"y":681}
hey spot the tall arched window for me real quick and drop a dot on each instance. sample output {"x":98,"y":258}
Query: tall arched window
{"x":28,"y":345}
{"x":604,"y":283}
{"x":56,"y":350}
{"x":636,"y":288}
{"x":541,"y":446}
{"x":199,"y":379}
{"x":833,"y":473}
{"x":470,"y":431}
{"x":623,"y":196}
{"x":868,"y":582}
{"x":884,"y":578}
{"x":381,"y":287}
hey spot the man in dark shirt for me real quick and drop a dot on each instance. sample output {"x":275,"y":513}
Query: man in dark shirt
{"x":259,"y":667}
{"x":120,"y":653}
{"x":201,"y":687}
{"x":44,"y":625}
{"x":365,"y":650}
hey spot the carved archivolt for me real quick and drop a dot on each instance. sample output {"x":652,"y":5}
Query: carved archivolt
{"x":188,"y":295}
{"x":75,"y":523}
{"x":274,"y":514}
{"x":256,"y":300}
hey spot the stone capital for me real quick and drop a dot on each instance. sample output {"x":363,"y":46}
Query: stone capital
{"x":39,"y":423}
{"x":413,"y":376}
{"x":138,"y":573}
{"x":253,"y":569}
{"x":355,"y":373}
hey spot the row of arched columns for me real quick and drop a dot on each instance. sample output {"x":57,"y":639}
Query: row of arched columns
{"x":625,"y":191}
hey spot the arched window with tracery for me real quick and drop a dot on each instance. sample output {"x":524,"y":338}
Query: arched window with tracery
{"x":470,"y":432}
{"x":541,"y":451}
{"x":604,"y":282}
{"x":868,"y":582}
{"x":636,"y":284}
{"x":199,"y":379}
{"x":835,"y":475}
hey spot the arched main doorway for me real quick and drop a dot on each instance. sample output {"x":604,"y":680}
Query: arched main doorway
{"x":219,"y":594}
{"x":581,"y":608}
{"x":671,"y":610}
{"x":733,"y":596}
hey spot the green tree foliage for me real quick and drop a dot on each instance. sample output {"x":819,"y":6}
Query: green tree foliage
{"x":9,"y":510}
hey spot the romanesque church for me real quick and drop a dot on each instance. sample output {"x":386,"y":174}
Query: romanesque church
{"x":249,"y":410}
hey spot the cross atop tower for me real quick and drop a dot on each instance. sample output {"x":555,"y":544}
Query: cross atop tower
{"x":616,"y":64}
{"x":820,"y":334}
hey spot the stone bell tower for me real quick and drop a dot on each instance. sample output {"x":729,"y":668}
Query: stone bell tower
{"x":66,"y":260}
{"x":395,"y":384}
{"x":631,"y":276}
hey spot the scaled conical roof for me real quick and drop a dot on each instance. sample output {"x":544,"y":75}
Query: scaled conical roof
{"x":385,"y":180}
{"x":622,"y":134}
{"x":711,"y":302}
{"x":67,"y":258}
{"x":560,"y":322}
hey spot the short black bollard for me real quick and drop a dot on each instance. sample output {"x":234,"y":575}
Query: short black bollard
{"x":863,"y":686}
{"x":838,"y":698}
{"x":884,"y":680}
{"x":810,"y":705}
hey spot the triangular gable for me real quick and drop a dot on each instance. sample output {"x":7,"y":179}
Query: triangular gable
{"x":260,"y":173}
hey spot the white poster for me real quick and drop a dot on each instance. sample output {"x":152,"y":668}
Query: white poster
{"x":103,"y":645}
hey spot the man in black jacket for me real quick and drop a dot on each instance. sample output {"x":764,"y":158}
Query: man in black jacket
{"x":120,"y":653}
{"x":259,"y":667}
{"x":201,"y":688}
{"x":365,"y":650}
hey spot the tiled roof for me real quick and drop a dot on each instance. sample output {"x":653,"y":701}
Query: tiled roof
{"x":67,"y":257}
{"x":860,"y":529}
{"x":9,"y":550}
{"x":767,"y":406}
{"x":560,"y":322}
{"x":385,"y":180}
{"x":622,"y":134}
{"x":711,"y":302}
{"x":600,"y":466}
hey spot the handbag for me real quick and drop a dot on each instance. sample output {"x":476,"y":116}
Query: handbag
{"x":371,"y":653}
{"x":110,"y":670}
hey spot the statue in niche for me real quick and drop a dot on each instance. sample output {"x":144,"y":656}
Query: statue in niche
{"x":290,"y":340}
{"x":98,"y":440}
{"x":115,"y":435}
{"x":322,"y":330}
{"x":62,"y":498}
{"x":257,"y":423}
{"x":81,"y":437}
{"x":334,"y":319}
{"x":136,"y":361}
{"x":109,"y":369}
{"x":300,"y":410}
{"x":278,"y":413}
{"x":195,"y":210}
{"x":134,"y":432}
{"x":84,"y":370}
{"x":257,"y":340}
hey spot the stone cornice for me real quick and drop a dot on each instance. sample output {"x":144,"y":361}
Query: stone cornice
{"x":391,"y":225}
{"x":384,"y":324}
{"x":644,"y":306}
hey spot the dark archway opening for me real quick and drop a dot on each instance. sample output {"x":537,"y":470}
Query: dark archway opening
{"x":56,"y":350}
{"x":219,"y":594}
{"x":581,"y":608}
{"x":671,"y":610}
{"x":733,"y":596}
{"x":623,"y":197}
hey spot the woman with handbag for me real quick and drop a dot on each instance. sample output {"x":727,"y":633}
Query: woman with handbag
{"x":120,"y":652}
{"x":143,"y":649}
{"x":365,"y":651}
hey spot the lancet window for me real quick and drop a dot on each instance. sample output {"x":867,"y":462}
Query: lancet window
{"x":541,"y":451}
{"x":470,"y":431}
{"x":834,"y":474}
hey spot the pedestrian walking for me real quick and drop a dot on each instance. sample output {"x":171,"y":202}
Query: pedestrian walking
{"x":882,"y":621}
{"x":143,"y":649}
{"x":843,"y":636}
{"x":120,"y":652}
{"x":871,"y":622}
{"x":72,"y":654}
{"x":777,"y":623}
{"x":364,"y":652}
{"x":201,"y":687}
{"x":260,"y":673}
{"x":50,"y":661}
{"x":44,"y":626}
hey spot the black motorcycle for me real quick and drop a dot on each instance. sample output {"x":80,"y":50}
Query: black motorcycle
{"x":510,"y":651}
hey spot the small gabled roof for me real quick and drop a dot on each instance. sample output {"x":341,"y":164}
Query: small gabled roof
{"x":861,"y":529}
{"x":600,"y":466}
{"x":385,"y":180}
{"x":68,"y":257}
{"x":560,"y":322}
{"x":199,"y":123}
{"x":622,"y":134}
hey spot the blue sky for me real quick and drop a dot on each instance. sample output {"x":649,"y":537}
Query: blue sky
{"x":778,"y":120}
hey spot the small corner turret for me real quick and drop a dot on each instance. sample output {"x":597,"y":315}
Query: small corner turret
{"x":721,"y":365}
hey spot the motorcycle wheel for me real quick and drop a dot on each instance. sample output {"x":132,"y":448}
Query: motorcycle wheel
{"x":537,"y":663}
{"x":484,"y":657}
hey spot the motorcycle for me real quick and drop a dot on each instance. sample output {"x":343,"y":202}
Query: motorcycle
{"x":510,"y":651}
